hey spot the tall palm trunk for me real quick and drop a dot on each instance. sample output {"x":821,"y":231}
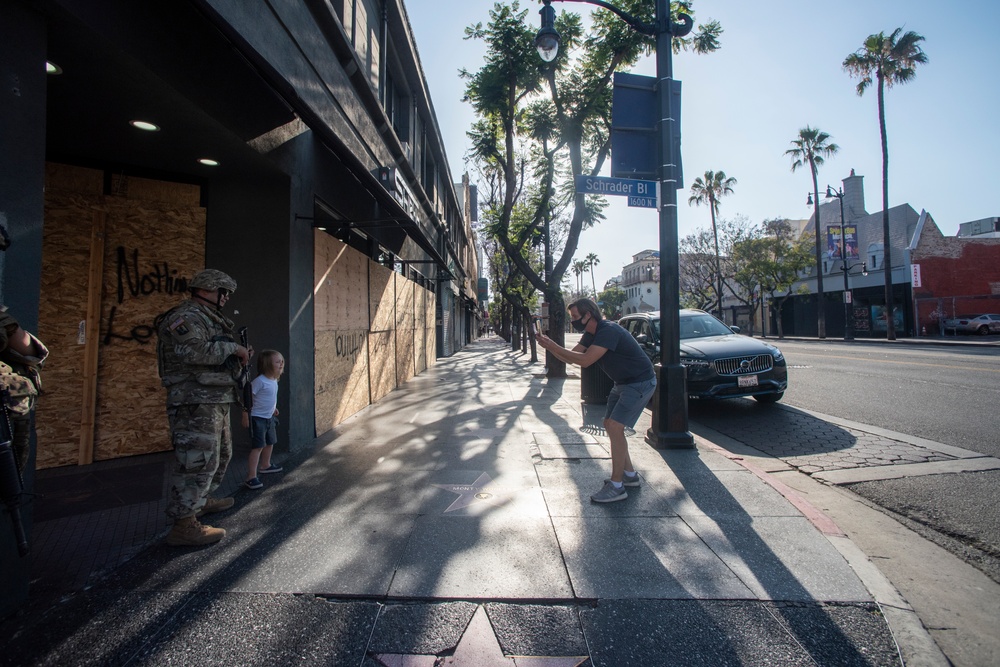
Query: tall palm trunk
{"x":890,"y":321}
{"x":718,"y":266}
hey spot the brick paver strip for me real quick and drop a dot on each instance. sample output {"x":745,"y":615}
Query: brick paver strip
{"x":813,"y":445}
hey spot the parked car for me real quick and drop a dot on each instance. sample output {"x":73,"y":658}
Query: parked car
{"x":983,"y":325}
{"x":720,"y":362}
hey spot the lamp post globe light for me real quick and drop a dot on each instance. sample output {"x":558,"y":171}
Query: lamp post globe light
{"x":670,"y":410}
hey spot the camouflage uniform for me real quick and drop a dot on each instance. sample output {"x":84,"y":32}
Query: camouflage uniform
{"x":197,"y":365}
{"x":19,"y":376}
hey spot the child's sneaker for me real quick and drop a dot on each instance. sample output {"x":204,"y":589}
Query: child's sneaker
{"x":269,"y":469}
{"x":253,"y":484}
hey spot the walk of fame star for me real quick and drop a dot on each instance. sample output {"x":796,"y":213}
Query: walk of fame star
{"x":481,"y":491}
{"x":479,"y":648}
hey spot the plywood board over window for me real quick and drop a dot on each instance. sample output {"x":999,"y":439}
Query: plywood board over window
{"x":341,"y":331}
{"x":111,"y":262}
{"x":405,"y":343}
{"x":382,"y":342}
{"x":425,"y":336}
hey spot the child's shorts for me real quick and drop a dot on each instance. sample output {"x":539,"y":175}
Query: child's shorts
{"x":262,"y":432}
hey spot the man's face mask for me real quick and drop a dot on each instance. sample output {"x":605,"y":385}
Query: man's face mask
{"x":578,"y":325}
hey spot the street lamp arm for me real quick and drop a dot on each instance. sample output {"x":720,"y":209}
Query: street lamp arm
{"x":644,"y":28}
{"x":685,"y":25}
{"x":846,"y":268}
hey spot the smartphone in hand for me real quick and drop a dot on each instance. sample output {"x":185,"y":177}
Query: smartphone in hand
{"x":534,"y":326}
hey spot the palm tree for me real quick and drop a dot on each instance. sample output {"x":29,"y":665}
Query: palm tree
{"x":593,"y":261}
{"x":709,"y":191}
{"x":579,"y":268}
{"x":811,"y":148}
{"x":890,"y":60}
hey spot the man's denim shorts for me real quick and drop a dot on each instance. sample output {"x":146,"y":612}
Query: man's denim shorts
{"x":262,"y":432}
{"x":627,"y":401}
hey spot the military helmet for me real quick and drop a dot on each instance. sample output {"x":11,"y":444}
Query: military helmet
{"x":212,"y":279}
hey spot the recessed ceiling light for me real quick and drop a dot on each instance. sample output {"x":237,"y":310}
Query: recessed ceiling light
{"x":52,"y":68}
{"x":143,"y":125}
{"x":208,"y":162}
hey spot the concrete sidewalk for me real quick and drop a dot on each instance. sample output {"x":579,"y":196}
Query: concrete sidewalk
{"x":451,"y":524}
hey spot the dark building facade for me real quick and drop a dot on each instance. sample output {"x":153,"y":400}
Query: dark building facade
{"x":292,"y":144}
{"x":865,"y":261}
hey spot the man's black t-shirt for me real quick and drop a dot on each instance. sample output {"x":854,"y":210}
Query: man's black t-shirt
{"x":624,"y":361}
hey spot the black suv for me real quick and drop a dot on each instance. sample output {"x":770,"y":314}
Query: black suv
{"x":720,"y":362}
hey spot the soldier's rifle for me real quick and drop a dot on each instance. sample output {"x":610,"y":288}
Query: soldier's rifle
{"x":11,"y":485}
{"x":246,"y":381}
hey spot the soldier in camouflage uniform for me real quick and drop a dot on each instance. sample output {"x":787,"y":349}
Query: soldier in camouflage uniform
{"x":199,"y":363}
{"x":21,"y":357}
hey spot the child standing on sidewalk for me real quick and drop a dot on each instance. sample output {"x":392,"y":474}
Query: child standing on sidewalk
{"x":262,"y":419}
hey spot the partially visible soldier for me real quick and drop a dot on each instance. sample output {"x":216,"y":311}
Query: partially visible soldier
{"x":21,"y":357}
{"x":199,"y":363}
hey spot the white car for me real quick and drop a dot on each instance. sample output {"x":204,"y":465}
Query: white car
{"x":984,"y":325}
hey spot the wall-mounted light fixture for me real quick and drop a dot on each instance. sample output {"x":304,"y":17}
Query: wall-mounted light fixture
{"x":144,"y":125}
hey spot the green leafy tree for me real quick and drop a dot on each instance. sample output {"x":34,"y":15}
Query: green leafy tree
{"x":749,"y":256}
{"x":709,"y":191}
{"x":738,"y":281}
{"x":539,"y":125}
{"x":514,"y":299}
{"x":811,"y":148}
{"x":696,"y":270}
{"x":886,"y":61}
{"x":779,"y":260}
{"x":611,"y":301}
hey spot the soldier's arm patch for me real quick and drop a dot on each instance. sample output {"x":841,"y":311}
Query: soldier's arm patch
{"x":179,"y":327}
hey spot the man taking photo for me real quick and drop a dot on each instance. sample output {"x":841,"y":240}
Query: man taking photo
{"x":618,"y":354}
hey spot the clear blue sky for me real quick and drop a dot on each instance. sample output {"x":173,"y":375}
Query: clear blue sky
{"x":779,"y":70}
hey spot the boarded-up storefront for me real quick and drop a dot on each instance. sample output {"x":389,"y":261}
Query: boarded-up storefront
{"x":116,"y":252}
{"x":374,"y":329}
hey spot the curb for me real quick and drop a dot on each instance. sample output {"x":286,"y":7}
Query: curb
{"x":915,"y":645}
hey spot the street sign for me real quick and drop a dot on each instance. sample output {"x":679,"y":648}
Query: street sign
{"x":626,"y":187}
{"x":642,"y":202}
{"x":635,"y":128}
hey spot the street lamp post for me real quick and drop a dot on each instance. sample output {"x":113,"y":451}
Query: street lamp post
{"x":848,"y":301}
{"x":670,"y":409}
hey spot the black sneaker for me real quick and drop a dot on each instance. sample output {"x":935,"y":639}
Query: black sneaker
{"x":253,"y":484}
{"x":269,"y":469}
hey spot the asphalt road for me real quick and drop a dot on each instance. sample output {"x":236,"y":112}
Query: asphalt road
{"x":949,"y":395}
{"x":945,"y":394}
